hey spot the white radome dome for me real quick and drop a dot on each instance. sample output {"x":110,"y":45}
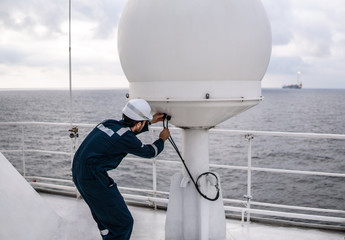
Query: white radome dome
{"x":194,"y":54}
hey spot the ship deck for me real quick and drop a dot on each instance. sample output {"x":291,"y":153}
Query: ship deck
{"x":149,"y":224}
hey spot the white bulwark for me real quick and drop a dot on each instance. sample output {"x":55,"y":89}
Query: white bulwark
{"x":24,"y":213}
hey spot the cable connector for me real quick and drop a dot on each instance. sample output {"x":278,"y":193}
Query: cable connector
{"x":166,"y":117}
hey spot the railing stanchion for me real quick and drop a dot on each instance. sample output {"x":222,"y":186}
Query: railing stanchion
{"x":249,"y":137}
{"x":23,"y":152}
{"x":154,"y":176}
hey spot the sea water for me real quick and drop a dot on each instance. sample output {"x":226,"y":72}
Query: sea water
{"x":292,"y":110}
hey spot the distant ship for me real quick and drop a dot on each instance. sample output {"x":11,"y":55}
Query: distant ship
{"x":298,"y":85}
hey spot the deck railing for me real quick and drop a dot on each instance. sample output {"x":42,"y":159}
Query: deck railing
{"x":244,"y":207}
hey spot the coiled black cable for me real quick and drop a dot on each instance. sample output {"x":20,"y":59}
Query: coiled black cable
{"x":166,"y":120}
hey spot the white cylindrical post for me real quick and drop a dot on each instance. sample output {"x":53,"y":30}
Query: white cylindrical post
{"x":196,"y":156}
{"x":190,"y":216}
{"x":195,"y":151}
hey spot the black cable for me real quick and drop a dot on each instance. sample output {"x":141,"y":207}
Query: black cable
{"x":171,"y":140}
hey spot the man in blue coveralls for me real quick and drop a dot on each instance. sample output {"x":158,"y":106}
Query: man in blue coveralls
{"x":102,"y":150}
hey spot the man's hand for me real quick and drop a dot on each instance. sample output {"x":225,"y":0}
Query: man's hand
{"x":158,"y":117}
{"x":165,"y":134}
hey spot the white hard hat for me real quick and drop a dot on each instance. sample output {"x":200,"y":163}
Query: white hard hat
{"x":138,"y":110}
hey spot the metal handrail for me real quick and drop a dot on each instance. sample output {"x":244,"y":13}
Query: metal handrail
{"x":236,"y":132}
{"x":248,"y":203}
{"x":282,"y":134}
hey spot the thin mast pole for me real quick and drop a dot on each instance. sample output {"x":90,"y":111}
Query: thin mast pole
{"x":70,"y":67}
{"x":70,"y":86}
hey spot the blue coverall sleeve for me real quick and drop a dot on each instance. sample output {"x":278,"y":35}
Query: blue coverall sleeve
{"x":136,"y":147}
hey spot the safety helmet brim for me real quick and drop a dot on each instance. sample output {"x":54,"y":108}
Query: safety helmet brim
{"x":138,"y":110}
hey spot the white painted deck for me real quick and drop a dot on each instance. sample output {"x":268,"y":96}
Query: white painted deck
{"x":149,"y":225}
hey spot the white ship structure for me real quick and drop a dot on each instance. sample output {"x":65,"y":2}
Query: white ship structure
{"x":192,"y":63}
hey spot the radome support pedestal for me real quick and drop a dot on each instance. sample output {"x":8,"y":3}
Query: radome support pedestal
{"x":189,"y":215}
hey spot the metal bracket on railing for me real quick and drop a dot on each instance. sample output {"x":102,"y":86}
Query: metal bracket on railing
{"x":248,"y":198}
{"x":249,"y":136}
{"x":73,"y":135}
{"x":73,"y":132}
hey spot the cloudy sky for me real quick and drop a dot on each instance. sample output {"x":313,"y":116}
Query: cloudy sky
{"x":308,"y":36}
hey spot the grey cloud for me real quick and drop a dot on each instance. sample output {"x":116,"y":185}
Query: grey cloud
{"x":11,"y":56}
{"x":106,"y":13}
{"x":313,"y":37}
{"x":30,"y":57}
{"x":24,"y":16}
{"x":53,"y":13}
{"x":310,"y":25}
{"x":286,"y":65}
{"x":279,"y":14}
